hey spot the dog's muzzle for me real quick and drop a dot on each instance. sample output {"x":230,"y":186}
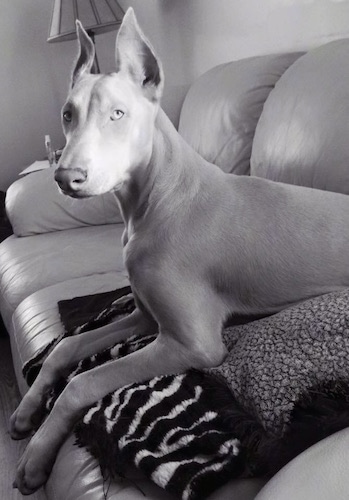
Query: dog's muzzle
{"x":70,"y":180}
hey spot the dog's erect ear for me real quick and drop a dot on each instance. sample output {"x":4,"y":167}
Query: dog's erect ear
{"x":135,"y":55}
{"x":86,"y":58}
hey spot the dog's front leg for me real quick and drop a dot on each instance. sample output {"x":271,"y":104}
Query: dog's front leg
{"x":163,"y":356}
{"x":65,"y":357}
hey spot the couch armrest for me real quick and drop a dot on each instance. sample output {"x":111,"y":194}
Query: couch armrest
{"x":34,"y":205}
{"x":319,"y":473}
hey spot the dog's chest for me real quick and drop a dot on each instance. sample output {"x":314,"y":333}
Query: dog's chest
{"x":137,"y":252}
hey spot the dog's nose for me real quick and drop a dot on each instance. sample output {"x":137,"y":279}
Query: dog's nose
{"x":70,"y":179}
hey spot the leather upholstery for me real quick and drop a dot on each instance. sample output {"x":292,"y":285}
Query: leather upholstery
{"x":32,"y":263}
{"x":320,"y":473}
{"x":302,"y":135}
{"x":222,"y":108}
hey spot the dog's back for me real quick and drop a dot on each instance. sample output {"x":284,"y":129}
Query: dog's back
{"x":289,"y":242}
{"x":260,"y":245}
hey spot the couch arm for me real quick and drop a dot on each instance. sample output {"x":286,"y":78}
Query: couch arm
{"x":319,"y":473}
{"x":34,"y":205}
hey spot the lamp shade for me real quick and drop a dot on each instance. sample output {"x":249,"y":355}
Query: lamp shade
{"x":97,"y":16}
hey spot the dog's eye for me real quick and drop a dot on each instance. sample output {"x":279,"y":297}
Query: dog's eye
{"x":67,"y":116}
{"x":117,"y":114}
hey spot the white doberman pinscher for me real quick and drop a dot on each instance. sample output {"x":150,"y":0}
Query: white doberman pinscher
{"x":199,"y":244}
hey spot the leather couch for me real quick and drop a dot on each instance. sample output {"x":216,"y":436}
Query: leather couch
{"x":282,"y":116}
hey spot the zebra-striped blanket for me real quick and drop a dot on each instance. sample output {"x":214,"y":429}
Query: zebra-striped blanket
{"x":278,"y":392}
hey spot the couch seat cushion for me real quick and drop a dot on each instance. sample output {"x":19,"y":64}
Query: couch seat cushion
{"x":32,"y":263}
{"x":76,"y":474}
{"x":36,"y":320}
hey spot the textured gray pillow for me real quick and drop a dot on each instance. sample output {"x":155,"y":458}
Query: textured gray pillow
{"x":222,"y":108}
{"x":275,"y":361}
{"x":302,"y":136}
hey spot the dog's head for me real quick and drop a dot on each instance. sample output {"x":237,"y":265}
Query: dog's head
{"x":108,"y":120}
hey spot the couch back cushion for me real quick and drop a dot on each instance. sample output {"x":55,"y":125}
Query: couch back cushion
{"x":222,"y":108}
{"x":34,"y":205}
{"x":302,"y":136}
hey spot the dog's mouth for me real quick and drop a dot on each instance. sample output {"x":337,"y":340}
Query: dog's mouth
{"x":79,"y":195}
{"x":84,"y":191}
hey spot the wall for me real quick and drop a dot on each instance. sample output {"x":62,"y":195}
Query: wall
{"x":190,"y":36}
{"x":32,"y":84}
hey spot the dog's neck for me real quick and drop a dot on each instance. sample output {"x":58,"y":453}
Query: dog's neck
{"x":173,"y":167}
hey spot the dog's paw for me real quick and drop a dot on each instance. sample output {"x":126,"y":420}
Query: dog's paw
{"x":26,"y":418}
{"x":33,"y":468}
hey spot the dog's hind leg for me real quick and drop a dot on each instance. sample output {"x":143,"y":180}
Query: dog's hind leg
{"x":65,"y":356}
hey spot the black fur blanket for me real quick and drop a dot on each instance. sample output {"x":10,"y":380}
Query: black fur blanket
{"x":283,"y":387}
